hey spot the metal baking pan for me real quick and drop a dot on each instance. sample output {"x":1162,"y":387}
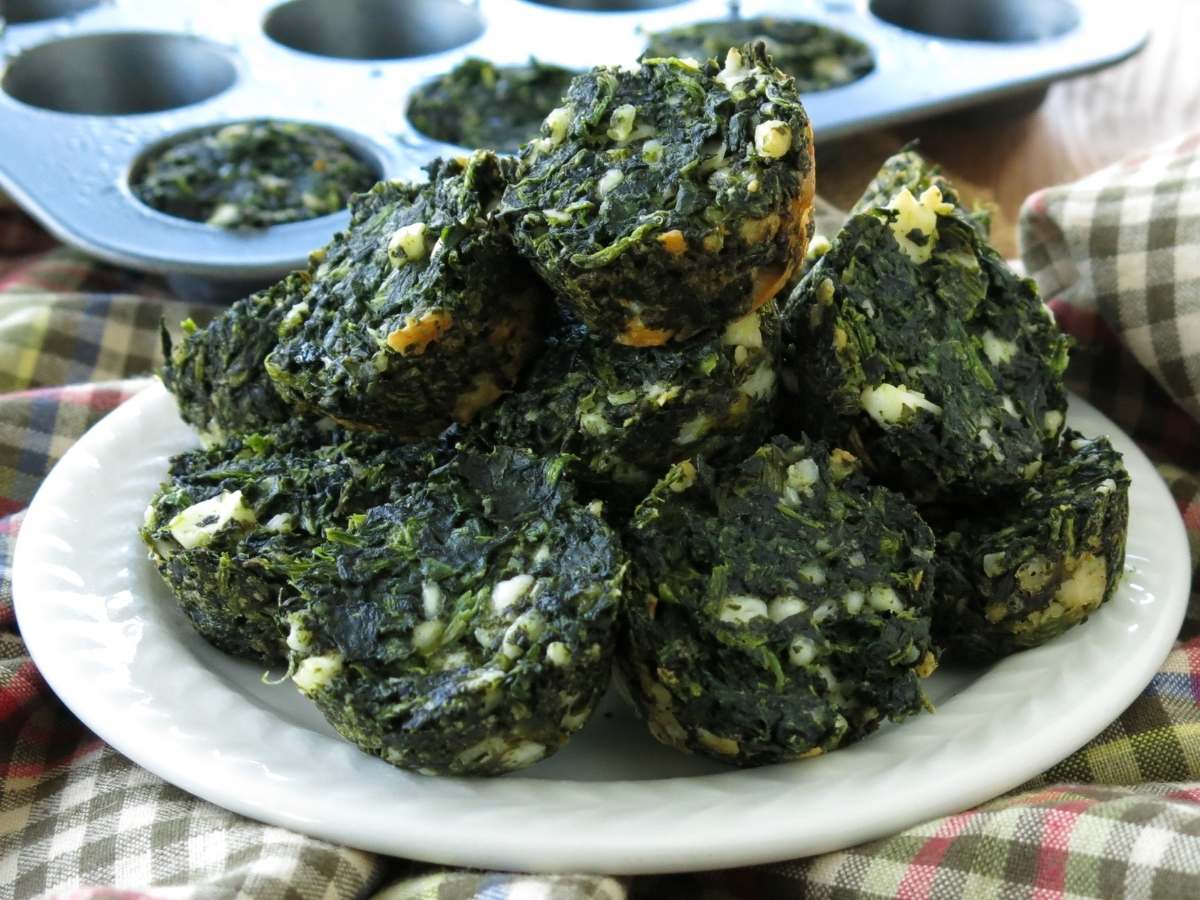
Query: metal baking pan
{"x":88,"y":86}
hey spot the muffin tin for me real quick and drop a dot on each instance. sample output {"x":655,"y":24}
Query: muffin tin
{"x":89,"y":86}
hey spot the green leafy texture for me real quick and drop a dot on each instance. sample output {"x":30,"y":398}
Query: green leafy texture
{"x":1017,"y":572}
{"x":216,"y":373}
{"x":282,"y":491}
{"x":627,"y":413}
{"x":467,"y":628}
{"x":944,"y":375}
{"x":253,"y":175}
{"x":779,"y":608}
{"x":479,"y":104}
{"x":819,"y":58}
{"x":420,"y":312}
{"x":669,"y":199}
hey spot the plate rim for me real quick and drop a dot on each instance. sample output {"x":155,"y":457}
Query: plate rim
{"x":609,"y":847}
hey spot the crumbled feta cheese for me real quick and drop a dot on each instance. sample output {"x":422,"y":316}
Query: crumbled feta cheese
{"x":620,"y":123}
{"x":803,"y":475}
{"x":1084,"y":589}
{"x":813,"y":572}
{"x":772,"y":139}
{"x":918,"y":215}
{"x":785,"y":607}
{"x":740,"y":608}
{"x":315,"y":672}
{"x":854,"y":601}
{"x":887,"y":403}
{"x":431,"y":599}
{"x":407,"y":244}
{"x":802,"y":651}
{"x":506,"y":593}
{"x":734,"y":70}
{"x":609,"y":180}
{"x":996,"y":349}
{"x":558,"y":654}
{"x":744,"y":332}
{"x":884,"y":599}
{"x":556,"y":125}
{"x":299,"y":637}
{"x":199,"y":523}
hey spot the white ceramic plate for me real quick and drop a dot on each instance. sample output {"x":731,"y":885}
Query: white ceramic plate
{"x":104,"y":631}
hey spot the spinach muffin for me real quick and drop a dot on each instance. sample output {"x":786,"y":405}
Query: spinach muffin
{"x":819,"y":58}
{"x":1019,"y":571}
{"x":217,"y":373}
{"x":253,"y":175}
{"x":778,"y":608}
{"x":229,"y":521}
{"x":670,"y":198}
{"x":420,"y":313}
{"x":466,"y":628}
{"x":627,"y":413}
{"x":479,"y":104}
{"x":913,"y":344}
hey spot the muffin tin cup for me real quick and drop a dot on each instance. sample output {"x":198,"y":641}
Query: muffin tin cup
{"x":88,"y":88}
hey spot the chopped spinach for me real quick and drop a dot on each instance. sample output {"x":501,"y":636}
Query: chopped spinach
{"x":912,"y":343}
{"x":468,"y":627}
{"x":420,"y":312}
{"x":230,"y":521}
{"x":216,"y":373}
{"x":478,"y":104}
{"x":253,"y":175}
{"x":627,"y":413}
{"x":779,"y":608}
{"x":670,"y":199}
{"x":818,"y":57}
{"x":1019,"y":571}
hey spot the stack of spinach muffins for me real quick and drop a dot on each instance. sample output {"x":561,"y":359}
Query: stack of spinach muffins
{"x":540,"y":415}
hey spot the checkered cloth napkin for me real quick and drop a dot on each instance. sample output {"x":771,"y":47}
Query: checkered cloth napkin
{"x":1117,"y":254}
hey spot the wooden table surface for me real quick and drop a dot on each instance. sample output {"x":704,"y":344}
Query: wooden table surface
{"x":1083,"y":125}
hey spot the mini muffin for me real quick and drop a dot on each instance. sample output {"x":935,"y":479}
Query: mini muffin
{"x":778,"y":609}
{"x":479,"y":104}
{"x":670,"y":198}
{"x":1022,"y":570}
{"x":229,"y":521}
{"x":420,"y":313}
{"x":216,"y":373}
{"x":467,"y":628}
{"x":913,"y":344}
{"x":819,"y":58}
{"x":253,"y":175}
{"x":627,"y":413}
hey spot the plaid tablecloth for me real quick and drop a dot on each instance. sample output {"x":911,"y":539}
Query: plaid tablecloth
{"x":1118,"y":255}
